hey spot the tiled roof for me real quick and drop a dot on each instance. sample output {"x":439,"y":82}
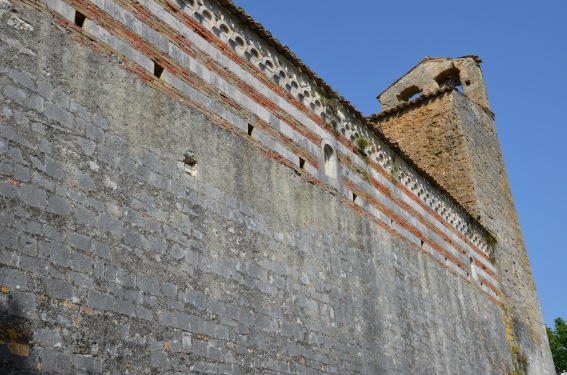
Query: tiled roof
{"x":411,"y":103}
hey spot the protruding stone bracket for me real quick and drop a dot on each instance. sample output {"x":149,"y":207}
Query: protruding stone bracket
{"x":189,"y":163}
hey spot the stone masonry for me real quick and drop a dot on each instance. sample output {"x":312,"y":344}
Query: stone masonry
{"x":179,"y":194}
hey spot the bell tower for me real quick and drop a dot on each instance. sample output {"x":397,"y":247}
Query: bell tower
{"x":438,"y":114}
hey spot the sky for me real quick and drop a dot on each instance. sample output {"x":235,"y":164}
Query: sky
{"x":361,"y":47}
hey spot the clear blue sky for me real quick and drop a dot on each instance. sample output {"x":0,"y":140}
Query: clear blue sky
{"x":361,"y":47}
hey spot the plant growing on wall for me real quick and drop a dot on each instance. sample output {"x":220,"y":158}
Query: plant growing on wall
{"x":520,"y":361}
{"x":395,"y":168}
{"x":328,"y":96}
{"x":365,"y":175}
{"x":362,"y":144}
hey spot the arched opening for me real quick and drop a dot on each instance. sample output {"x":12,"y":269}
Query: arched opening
{"x":330,"y":161}
{"x":224,"y":29}
{"x":409,"y":93}
{"x":207,"y":17}
{"x":252,"y":55}
{"x":267,"y":66}
{"x":280,"y":77}
{"x":449,"y":77}
{"x":188,"y":3}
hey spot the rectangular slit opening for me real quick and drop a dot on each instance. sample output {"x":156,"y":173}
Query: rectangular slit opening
{"x":301,"y":163}
{"x":158,"y":70}
{"x":80,"y":19}
{"x":250,"y":129}
{"x":354,"y":196}
{"x":422,"y":243}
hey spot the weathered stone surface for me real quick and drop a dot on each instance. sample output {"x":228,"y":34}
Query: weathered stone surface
{"x":114,"y":259}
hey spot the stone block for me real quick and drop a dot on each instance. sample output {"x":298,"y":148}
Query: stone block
{"x":8,"y":237}
{"x":64,"y":363}
{"x":87,"y":145}
{"x":58,"y":205}
{"x":22,"y":173}
{"x":85,"y":216}
{"x":124,"y":307}
{"x":59,"y":115}
{"x":22,"y":304}
{"x":48,"y":338}
{"x":100,"y":121}
{"x":147,"y":284}
{"x":157,"y":245}
{"x":80,"y":242}
{"x":99,"y":301}
{"x":159,"y":358}
{"x":101,"y":249}
{"x":125,"y":278}
{"x":13,"y":279}
{"x":170,"y":290}
{"x":23,"y":78}
{"x":81,"y":263}
{"x":6,"y":167}
{"x":8,"y":190}
{"x":95,"y":133}
{"x":111,"y":225}
{"x":52,"y":233}
{"x":16,"y":94}
{"x":58,"y":288}
{"x":48,"y":360}
{"x":61,"y":99}
{"x":86,"y":182}
{"x":45,"y":89}
{"x":33,"y":196}
{"x":60,"y":254}
{"x":144,"y":313}
{"x":54,"y":168}
{"x":84,"y":362}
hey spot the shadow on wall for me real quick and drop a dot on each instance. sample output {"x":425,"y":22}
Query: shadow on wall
{"x":15,"y":338}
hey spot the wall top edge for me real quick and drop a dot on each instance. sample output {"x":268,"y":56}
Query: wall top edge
{"x":368,"y":122}
{"x":266,"y":35}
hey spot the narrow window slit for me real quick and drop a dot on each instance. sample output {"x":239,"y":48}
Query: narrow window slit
{"x":250,"y":129}
{"x":158,"y":70}
{"x":354,"y":196}
{"x":80,"y":19}
{"x":301,"y":163}
{"x":422,"y":243}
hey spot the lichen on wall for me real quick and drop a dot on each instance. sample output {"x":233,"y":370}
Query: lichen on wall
{"x":165,"y":208}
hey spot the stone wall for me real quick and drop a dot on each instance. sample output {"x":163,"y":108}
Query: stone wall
{"x":431,"y":134}
{"x":118,"y":253}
